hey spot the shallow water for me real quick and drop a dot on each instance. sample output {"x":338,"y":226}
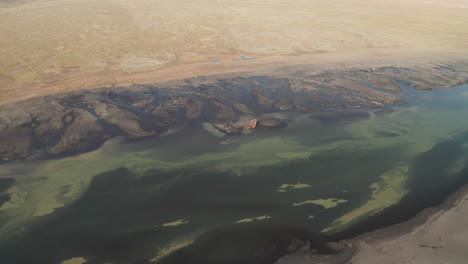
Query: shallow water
{"x":137,"y":202}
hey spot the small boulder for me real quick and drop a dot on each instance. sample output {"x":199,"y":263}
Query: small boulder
{"x":252,"y":124}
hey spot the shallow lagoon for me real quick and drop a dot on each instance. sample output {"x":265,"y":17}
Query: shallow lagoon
{"x":220,"y":198}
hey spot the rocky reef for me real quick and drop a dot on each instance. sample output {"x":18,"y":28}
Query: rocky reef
{"x":65,"y":124}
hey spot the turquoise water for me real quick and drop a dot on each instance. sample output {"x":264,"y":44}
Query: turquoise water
{"x":230,"y":199}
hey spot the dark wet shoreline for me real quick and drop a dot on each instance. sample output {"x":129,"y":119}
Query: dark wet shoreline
{"x":68,"y":124}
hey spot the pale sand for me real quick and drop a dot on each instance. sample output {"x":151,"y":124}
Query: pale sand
{"x":49,"y":47}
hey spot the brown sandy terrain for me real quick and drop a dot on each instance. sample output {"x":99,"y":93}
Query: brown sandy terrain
{"x":56,"y":46}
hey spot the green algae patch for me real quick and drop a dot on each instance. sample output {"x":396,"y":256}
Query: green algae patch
{"x":245,"y":157}
{"x":176,"y":223}
{"x":52,"y":184}
{"x":254,"y":154}
{"x":164,"y":251}
{"x":386,"y":192}
{"x":248,"y":220}
{"x":79,"y":260}
{"x":288,"y":187}
{"x":63,"y":181}
{"x":44,"y":186}
{"x":293,"y":155}
{"x":326,"y":203}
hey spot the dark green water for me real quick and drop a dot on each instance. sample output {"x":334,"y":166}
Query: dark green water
{"x":241,"y":201}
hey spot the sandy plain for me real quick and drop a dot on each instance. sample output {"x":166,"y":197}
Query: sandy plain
{"x":58,"y":46}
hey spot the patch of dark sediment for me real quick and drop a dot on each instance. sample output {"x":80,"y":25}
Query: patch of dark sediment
{"x":65,"y":124}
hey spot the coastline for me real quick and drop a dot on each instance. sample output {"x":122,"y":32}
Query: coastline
{"x":435,"y":234}
{"x":73,"y":80}
{"x":80,"y":121}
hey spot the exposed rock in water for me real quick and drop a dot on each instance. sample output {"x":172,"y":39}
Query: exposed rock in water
{"x":252,"y":124}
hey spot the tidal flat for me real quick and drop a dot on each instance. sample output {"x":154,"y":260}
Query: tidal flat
{"x":183,"y":195}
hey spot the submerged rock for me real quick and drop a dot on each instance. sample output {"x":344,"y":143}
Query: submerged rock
{"x":335,"y":246}
{"x":272,"y":123}
{"x":212,"y":130}
{"x":340,"y":116}
{"x":227,"y":128}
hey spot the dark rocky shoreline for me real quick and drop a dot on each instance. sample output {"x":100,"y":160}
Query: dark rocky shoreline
{"x":66,"y":124}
